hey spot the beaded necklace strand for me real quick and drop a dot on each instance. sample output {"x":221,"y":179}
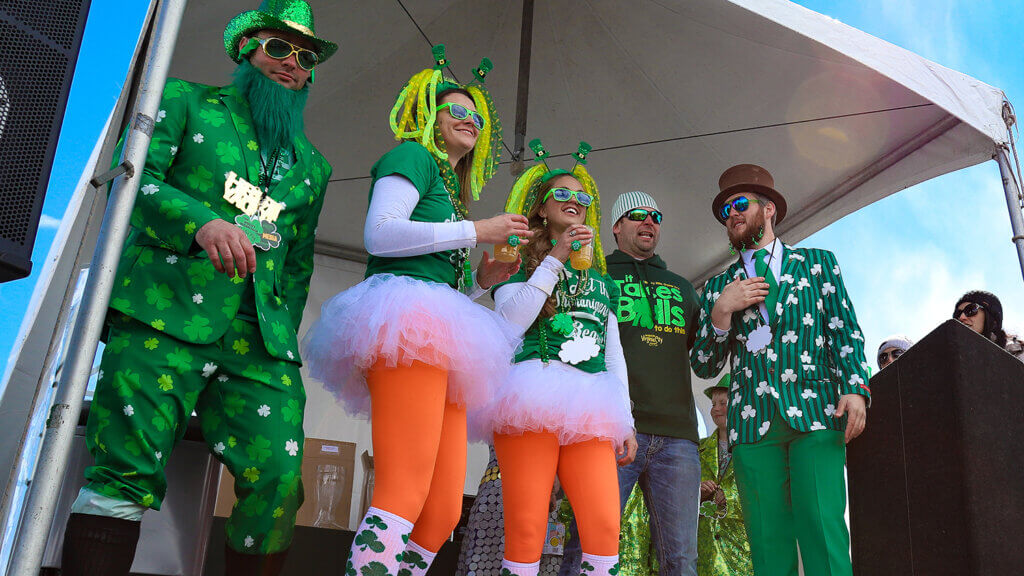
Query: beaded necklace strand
{"x":464,"y":270}
{"x":561,"y":322}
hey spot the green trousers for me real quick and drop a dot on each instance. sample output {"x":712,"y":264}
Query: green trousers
{"x":792,"y":489}
{"x":250,"y":406}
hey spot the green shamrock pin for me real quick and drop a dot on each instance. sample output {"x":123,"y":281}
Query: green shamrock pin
{"x":261,"y":233}
{"x":561,"y":323}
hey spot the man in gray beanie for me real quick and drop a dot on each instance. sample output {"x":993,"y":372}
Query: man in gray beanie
{"x":657,"y":311}
{"x":892,"y":348}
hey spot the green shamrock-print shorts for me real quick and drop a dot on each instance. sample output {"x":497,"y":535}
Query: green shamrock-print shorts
{"x":249,"y":404}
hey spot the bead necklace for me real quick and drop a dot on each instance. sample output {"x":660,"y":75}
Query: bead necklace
{"x":464,"y":270}
{"x":561,"y":322}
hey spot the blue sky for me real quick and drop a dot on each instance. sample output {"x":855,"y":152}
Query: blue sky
{"x":100,"y":73}
{"x":906,"y":259}
{"x":909,"y":257}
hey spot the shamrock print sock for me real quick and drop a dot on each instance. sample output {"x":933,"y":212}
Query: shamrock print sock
{"x":416,"y":560}
{"x":593,"y":565}
{"x":379,"y":544}
{"x":510,"y":568}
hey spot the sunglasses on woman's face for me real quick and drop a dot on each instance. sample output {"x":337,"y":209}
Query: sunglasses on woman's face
{"x":564,"y":194}
{"x":740,"y":204}
{"x":460,"y":112}
{"x":971,"y":310}
{"x":640,"y":214}
{"x":281,"y":49}
{"x":894,"y":354}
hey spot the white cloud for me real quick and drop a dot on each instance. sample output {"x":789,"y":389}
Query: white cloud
{"x":46,"y":221}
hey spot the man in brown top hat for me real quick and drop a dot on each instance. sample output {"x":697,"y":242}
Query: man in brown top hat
{"x":799,"y":380}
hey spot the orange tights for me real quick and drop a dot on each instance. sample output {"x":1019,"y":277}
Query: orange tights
{"x":419,"y":449}
{"x":528,"y":463}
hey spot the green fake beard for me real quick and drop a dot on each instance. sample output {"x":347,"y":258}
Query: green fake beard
{"x":276,"y":110}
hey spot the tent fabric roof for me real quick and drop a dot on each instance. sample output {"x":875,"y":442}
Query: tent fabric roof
{"x":669,"y":93}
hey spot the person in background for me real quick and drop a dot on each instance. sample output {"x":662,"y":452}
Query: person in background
{"x":722,"y":545}
{"x":982,"y":312}
{"x":893,"y":347}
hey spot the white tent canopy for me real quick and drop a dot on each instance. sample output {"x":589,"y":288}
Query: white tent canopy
{"x":707,"y":83}
{"x":668,"y":92}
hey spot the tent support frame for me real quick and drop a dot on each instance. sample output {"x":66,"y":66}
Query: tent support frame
{"x":523,"y":88}
{"x":1013,"y":203}
{"x":60,"y":427}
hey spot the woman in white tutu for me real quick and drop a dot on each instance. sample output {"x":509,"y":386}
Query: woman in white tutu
{"x":565,"y":406}
{"x":407,"y":345}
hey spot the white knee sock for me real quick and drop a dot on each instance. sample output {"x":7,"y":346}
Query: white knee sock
{"x":416,"y":560}
{"x":380,"y":539}
{"x":593,"y":565}
{"x":510,"y":568}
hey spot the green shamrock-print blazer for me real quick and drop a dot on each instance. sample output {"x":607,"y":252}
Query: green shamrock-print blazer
{"x":815,"y":355}
{"x":164,"y":278}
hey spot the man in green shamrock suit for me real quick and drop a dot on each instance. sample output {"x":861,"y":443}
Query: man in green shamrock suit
{"x":799,"y":380}
{"x":209,"y":294}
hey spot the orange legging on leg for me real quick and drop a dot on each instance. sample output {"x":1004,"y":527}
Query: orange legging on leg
{"x":528,"y":464}
{"x":419,"y":449}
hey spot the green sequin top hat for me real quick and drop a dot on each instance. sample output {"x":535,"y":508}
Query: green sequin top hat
{"x":722,"y":385}
{"x":289,"y":15}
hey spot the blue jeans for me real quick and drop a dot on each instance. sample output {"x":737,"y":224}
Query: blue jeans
{"x":668,"y":470}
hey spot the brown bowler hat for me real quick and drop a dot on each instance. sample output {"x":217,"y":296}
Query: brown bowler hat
{"x":748,"y":178}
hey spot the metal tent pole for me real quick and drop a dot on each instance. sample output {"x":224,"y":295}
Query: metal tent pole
{"x":60,"y":426}
{"x":1013,"y":204}
{"x":523,"y":88}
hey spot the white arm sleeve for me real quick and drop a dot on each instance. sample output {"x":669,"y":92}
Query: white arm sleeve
{"x":389,"y":231}
{"x":478,"y":290}
{"x":615,"y":359}
{"x":520,"y":302}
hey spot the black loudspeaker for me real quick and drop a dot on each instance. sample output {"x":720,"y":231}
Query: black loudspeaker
{"x":937,"y":478}
{"x":39,"y":43}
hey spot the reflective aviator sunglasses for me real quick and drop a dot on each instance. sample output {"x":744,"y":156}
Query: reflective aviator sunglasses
{"x":281,"y":49}
{"x":460,"y":112}
{"x":740,"y":204}
{"x":640,"y":214}
{"x":564,"y":194}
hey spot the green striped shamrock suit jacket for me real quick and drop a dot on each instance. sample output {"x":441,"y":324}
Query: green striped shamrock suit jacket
{"x":164,"y":278}
{"x":816,"y":352}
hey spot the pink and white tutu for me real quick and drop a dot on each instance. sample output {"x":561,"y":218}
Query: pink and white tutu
{"x":556,"y":397}
{"x":398,"y":320}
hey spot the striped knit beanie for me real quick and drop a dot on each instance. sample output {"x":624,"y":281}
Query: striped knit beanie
{"x":630,"y":200}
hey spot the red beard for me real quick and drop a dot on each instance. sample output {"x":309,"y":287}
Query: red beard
{"x":749,"y":234}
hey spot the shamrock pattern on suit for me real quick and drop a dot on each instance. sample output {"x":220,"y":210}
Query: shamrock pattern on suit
{"x":816,"y":352}
{"x":164,"y":279}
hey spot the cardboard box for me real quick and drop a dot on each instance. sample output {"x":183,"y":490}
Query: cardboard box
{"x":327,"y":470}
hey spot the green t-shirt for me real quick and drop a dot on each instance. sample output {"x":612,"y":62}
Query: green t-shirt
{"x":414,"y":162}
{"x":589,"y":318}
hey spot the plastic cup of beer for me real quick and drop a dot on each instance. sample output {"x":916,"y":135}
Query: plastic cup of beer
{"x":507,"y":252}
{"x":583,"y":258}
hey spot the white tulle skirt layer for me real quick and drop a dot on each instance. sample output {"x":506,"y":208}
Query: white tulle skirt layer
{"x":391,"y":321}
{"x":556,"y":397}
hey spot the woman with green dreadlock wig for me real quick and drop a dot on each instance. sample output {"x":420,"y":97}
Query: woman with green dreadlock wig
{"x":564,"y":408}
{"x":407,"y":345}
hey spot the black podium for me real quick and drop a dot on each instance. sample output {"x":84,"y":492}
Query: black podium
{"x":937,"y":478}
